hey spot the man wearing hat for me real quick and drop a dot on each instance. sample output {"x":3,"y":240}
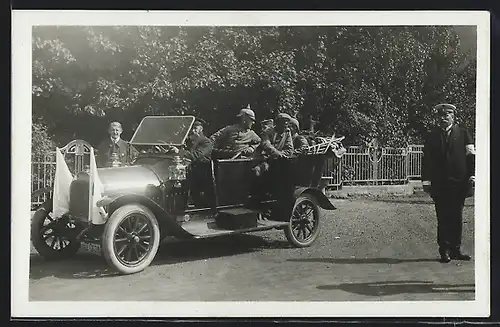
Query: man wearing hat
{"x":237,"y":140}
{"x":199,"y":146}
{"x":447,"y":175}
{"x":199,"y":153}
{"x":113,"y":150}
{"x":277,"y":142}
{"x":300,"y":143}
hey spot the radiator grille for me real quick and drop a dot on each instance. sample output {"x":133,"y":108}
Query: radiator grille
{"x":79,"y":199}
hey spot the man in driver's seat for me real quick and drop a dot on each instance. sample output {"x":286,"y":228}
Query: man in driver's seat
{"x":199,"y":146}
{"x":198,"y":153}
{"x":237,"y":140}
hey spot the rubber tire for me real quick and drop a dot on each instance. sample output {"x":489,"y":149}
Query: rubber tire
{"x":41,"y":247}
{"x":110,"y":229}
{"x":288,"y":229}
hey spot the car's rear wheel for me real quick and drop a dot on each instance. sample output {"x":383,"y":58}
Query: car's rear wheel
{"x":303,"y":227}
{"x":131,"y":239}
{"x":52,"y":238}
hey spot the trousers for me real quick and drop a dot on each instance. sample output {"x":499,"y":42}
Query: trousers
{"x":449,"y":207}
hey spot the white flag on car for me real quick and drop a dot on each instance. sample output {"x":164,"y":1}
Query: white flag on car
{"x":97,"y":214}
{"x":62,"y":183}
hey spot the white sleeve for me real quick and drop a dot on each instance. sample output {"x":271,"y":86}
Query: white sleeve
{"x":469,"y":149}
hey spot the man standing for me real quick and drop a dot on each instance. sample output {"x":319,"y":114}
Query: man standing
{"x":113,"y":151}
{"x":237,"y":140}
{"x":447,"y":174}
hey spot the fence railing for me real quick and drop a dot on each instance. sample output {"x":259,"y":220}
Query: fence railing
{"x":356,"y":167}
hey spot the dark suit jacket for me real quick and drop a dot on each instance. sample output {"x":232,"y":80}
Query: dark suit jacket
{"x":106,"y":148}
{"x":200,"y":149}
{"x":445,"y":163}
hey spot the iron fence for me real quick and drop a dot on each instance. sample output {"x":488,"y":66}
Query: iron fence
{"x":356,"y":167}
{"x":390,"y":166}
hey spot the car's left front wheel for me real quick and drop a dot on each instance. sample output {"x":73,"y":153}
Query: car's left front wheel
{"x":52,"y":238}
{"x":131,"y":238}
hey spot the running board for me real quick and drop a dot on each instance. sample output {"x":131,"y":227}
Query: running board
{"x":208,"y":228}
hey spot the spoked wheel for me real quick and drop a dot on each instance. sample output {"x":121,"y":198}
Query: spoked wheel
{"x":303,"y":227}
{"x":131,"y":239}
{"x":53,"y":238}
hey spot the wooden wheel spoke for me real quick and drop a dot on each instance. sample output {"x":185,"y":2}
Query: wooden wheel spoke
{"x":142,"y":247}
{"x":122,"y":249}
{"x":142,"y":228}
{"x":137,"y":256}
{"x":145,"y":237}
{"x":129,"y":253}
{"x":304,"y":232}
{"x":121,"y":239}
{"x":53,"y":242}
{"x":121,"y":229}
{"x":308,"y":213}
{"x":297,"y":232}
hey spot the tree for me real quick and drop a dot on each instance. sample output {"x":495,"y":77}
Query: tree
{"x":361,"y":82}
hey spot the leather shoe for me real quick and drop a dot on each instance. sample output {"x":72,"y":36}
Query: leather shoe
{"x":460,"y":256}
{"x":445,"y":256}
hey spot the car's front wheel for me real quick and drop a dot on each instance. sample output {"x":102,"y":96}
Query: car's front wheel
{"x":303,"y":227}
{"x":52,"y":238}
{"x":131,"y":238}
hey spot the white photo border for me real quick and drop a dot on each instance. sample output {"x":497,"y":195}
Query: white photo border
{"x":22,"y":23}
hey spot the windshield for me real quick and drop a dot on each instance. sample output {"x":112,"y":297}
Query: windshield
{"x":156,"y":130}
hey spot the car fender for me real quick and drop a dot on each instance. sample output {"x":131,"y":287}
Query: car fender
{"x":40,"y":192}
{"x":167,"y":221}
{"x":323,"y":201}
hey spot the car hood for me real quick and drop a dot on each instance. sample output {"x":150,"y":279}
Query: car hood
{"x":127,"y":179}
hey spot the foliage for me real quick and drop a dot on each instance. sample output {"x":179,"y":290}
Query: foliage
{"x":41,"y":148}
{"x":361,"y":82}
{"x":41,"y":142}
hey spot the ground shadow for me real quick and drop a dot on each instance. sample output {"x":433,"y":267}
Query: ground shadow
{"x":469,"y":202}
{"x":414,"y":201}
{"x":87,"y":265}
{"x":363,"y":260}
{"x":399,"y":287}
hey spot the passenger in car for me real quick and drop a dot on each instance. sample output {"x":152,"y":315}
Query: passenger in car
{"x":300,"y":143}
{"x":237,"y":140}
{"x":277,"y":142}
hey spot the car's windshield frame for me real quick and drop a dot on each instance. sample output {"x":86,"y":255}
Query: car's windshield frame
{"x":193,"y":118}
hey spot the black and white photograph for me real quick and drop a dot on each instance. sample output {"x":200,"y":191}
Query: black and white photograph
{"x":250,"y":164}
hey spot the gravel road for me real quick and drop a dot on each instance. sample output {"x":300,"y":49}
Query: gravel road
{"x":369,"y":249}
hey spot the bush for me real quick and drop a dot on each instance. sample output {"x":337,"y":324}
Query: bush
{"x":42,"y":148}
{"x":41,"y":142}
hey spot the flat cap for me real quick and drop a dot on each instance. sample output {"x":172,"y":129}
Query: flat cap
{"x":267,"y":122}
{"x":283,"y":115}
{"x":445,"y":107}
{"x":198,"y":123}
{"x":295,"y":122}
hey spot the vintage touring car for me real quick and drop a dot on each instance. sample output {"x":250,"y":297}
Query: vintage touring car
{"x":153,"y":198}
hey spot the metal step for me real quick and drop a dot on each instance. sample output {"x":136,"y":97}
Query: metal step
{"x":238,"y":211}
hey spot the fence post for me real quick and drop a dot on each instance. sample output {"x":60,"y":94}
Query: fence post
{"x":407,"y":160}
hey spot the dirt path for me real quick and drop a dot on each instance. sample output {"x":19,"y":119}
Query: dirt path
{"x":368,"y":250}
